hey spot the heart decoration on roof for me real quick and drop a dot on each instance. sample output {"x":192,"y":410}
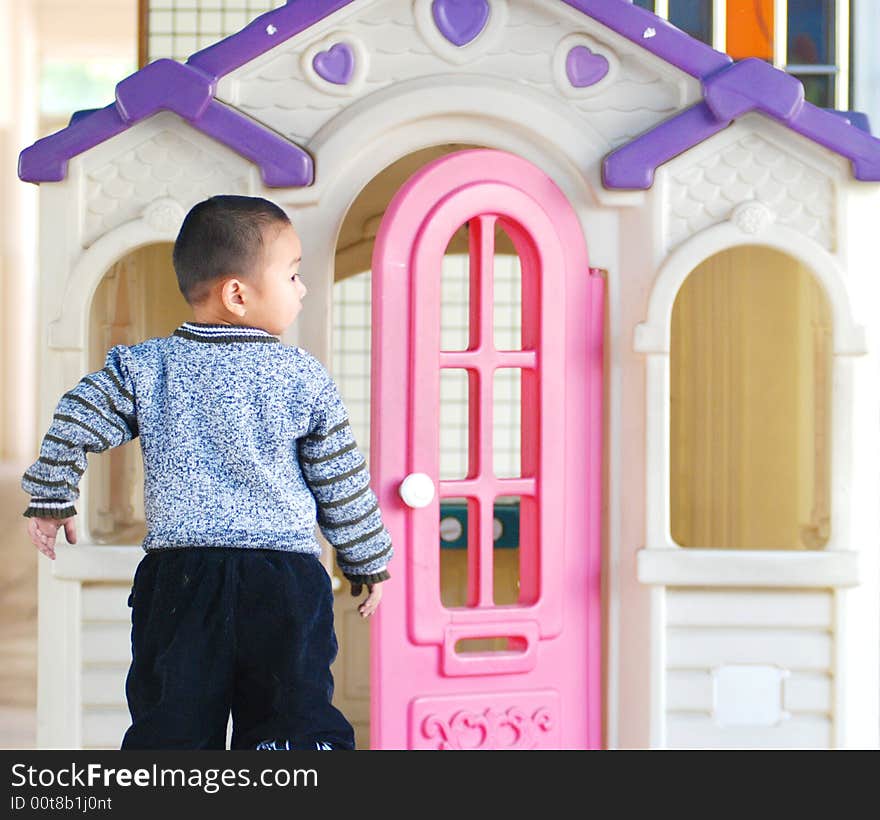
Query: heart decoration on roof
{"x":460,"y":21}
{"x":584,"y":68}
{"x":336,"y":65}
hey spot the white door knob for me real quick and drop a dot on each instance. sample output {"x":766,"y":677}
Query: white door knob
{"x":417,"y":490}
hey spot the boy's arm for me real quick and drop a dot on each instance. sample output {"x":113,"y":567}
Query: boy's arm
{"x":97,"y":414}
{"x":348,"y":511}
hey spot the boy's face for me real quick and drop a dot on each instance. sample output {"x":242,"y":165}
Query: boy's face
{"x":276,"y":297}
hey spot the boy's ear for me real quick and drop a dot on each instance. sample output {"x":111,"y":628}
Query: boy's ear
{"x":232,"y":296}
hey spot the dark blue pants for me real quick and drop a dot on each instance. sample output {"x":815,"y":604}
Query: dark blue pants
{"x":216,"y":629}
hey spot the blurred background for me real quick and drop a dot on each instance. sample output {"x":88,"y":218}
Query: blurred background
{"x":62,"y":56}
{"x":56,"y":56}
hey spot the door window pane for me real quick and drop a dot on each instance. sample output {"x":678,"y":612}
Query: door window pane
{"x":507,"y":294}
{"x":458,"y":536}
{"x":507,"y":422}
{"x":455,"y":302}
{"x":460,"y":558}
{"x":506,"y":567}
{"x":457,"y":388}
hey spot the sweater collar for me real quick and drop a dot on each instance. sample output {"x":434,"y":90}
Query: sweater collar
{"x":220,"y":333}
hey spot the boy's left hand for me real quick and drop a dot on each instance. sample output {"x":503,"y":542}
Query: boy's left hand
{"x":44,"y":530}
{"x":369,"y":606}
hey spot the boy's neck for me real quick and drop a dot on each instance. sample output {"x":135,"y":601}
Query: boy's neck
{"x":209,"y":317}
{"x":213,"y":315}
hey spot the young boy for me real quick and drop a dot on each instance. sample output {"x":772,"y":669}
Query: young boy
{"x":245,"y":442}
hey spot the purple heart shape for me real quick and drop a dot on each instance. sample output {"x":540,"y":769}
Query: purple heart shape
{"x":460,"y":21}
{"x":584,"y":68}
{"x":336,"y":65}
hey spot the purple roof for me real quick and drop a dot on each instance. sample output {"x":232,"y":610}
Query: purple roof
{"x":188,"y":89}
{"x":749,"y":85}
{"x":167,"y":84}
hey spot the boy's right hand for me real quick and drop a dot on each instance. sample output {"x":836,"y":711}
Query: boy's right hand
{"x":43,"y":531}
{"x":374,"y":595}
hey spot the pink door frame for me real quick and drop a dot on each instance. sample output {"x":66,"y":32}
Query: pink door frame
{"x":547,"y":693}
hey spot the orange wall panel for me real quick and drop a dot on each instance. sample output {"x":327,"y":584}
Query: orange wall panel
{"x":750,"y":29}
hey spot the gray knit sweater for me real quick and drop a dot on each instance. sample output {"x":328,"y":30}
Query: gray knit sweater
{"x":246,"y":443}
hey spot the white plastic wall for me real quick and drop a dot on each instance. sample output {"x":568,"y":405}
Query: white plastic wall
{"x":505,"y":94}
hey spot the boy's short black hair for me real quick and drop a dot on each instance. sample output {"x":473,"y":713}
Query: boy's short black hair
{"x":220,"y":236}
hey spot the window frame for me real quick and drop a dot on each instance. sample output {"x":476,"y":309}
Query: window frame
{"x":840,"y":70}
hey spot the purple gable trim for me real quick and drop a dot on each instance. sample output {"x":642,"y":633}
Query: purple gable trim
{"x":668,"y":42}
{"x":749,"y":85}
{"x":632,"y":165}
{"x":282,"y":163}
{"x":164,"y":84}
{"x":188,"y":92}
{"x":46,"y":159}
{"x":255,"y":38}
{"x":78,"y":115}
{"x":840,"y":136}
{"x":753,"y":85}
{"x":857,"y":118}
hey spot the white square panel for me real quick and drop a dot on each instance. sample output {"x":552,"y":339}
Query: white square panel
{"x":748,"y":695}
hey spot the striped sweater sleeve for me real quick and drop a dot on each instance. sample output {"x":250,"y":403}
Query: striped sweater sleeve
{"x":96,"y":414}
{"x":337,"y":475}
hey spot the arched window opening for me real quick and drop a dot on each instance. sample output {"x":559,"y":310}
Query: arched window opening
{"x":750,"y":402}
{"x":138,"y":298}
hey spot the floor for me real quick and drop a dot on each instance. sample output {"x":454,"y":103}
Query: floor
{"x":18,"y":616}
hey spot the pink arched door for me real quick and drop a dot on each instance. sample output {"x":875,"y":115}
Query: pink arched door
{"x":542,"y":688}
